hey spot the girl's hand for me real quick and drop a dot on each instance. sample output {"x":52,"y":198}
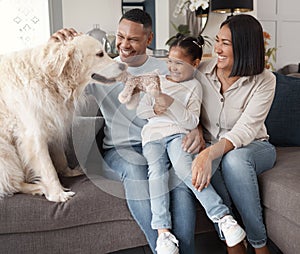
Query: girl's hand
{"x":162,"y":103}
{"x":201,"y":170}
{"x":164,"y":100}
{"x":159,"y":110}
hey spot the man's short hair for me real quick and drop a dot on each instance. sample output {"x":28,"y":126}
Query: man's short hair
{"x":138,"y":16}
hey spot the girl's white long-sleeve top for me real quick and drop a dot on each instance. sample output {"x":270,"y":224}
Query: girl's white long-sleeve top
{"x":182,"y":115}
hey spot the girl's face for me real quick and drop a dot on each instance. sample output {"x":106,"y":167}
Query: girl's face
{"x":223,"y":47}
{"x":180,"y":65}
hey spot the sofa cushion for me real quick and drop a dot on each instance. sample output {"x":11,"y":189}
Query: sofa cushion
{"x":90,"y":205}
{"x":280,"y":186}
{"x":283,"y":121}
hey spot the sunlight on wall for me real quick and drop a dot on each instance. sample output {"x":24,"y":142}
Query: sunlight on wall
{"x":23,"y":24}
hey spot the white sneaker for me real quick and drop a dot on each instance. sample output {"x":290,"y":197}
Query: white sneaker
{"x":167,"y":244}
{"x":231,"y":230}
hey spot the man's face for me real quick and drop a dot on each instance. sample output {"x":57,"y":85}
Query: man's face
{"x":132,"y":41}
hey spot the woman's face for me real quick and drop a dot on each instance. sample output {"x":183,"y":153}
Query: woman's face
{"x":180,"y":65}
{"x":224,"y":50}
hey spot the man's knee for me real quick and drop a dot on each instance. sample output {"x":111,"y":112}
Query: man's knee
{"x":127,"y":163}
{"x":135,"y":172}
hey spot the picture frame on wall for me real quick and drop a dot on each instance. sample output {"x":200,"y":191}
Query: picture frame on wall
{"x":129,"y":7}
{"x":146,"y":5}
{"x":132,"y":4}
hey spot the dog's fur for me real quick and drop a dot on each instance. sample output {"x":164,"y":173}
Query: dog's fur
{"x":39,"y":90}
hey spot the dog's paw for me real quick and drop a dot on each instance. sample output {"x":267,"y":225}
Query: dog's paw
{"x":61,"y":196}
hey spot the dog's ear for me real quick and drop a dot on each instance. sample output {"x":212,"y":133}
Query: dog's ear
{"x":56,"y":56}
{"x":74,"y":66}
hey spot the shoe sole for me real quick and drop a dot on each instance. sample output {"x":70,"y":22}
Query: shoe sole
{"x":241,"y":238}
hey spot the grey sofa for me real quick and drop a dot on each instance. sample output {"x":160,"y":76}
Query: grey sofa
{"x":94,"y":221}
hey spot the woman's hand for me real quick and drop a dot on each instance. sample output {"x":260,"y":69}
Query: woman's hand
{"x":194,"y":142}
{"x":202,"y":164}
{"x":201,"y":170}
{"x":64,"y":34}
{"x":162,"y":103}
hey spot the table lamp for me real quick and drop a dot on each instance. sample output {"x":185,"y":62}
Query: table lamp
{"x":231,"y":6}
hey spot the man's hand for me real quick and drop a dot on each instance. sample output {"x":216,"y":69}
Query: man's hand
{"x":64,"y":34}
{"x":194,"y":142}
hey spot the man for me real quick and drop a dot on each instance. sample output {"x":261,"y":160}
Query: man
{"x":122,"y":141}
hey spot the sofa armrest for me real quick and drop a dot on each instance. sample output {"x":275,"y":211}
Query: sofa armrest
{"x":85,"y":131}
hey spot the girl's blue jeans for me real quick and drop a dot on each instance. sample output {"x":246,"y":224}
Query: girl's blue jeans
{"x":159,"y":154}
{"x":128,"y":164}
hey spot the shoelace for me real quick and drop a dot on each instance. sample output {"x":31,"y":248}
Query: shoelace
{"x":171,"y":237}
{"x":227,"y":222}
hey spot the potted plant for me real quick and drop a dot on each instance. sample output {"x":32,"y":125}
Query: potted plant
{"x":194,"y":11}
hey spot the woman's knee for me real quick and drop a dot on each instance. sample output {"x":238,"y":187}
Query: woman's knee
{"x":236,"y":159}
{"x":258,"y":156}
{"x":236,"y":165}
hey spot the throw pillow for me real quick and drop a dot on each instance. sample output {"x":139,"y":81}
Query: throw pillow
{"x":283,"y":121}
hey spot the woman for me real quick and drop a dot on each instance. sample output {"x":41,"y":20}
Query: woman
{"x":237,"y":96}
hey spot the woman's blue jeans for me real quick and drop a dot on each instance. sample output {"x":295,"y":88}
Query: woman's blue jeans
{"x":132,"y":170}
{"x":236,"y":181}
{"x":159,"y":154}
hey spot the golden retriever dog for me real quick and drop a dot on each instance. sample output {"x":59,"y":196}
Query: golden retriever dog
{"x":39,"y":90}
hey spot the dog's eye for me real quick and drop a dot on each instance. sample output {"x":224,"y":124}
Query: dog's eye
{"x":100,"y":54}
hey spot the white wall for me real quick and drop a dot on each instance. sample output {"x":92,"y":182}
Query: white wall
{"x":282,"y":20}
{"x":162,"y":23}
{"x":82,"y":14}
{"x":23,"y":24}
{"x":213,"y":23}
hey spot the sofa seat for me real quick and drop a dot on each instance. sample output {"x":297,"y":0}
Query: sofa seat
{"x":280,"y":192}
{"x":91,"y":222}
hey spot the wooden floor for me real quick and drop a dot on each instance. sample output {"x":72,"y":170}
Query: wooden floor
{"x":206,"y":243}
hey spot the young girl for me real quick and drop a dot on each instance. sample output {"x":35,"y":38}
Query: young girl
{"x":171,"y":116}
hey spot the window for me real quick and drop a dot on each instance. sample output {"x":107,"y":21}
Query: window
{"x":23,"y":24}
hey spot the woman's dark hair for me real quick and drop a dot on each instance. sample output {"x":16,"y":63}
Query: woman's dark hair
{"x":247,"y":44}
{"x":192,"y":45}
{"x":138,"y":16}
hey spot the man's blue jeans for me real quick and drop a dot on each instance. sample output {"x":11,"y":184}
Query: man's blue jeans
{"x":132,"y":170}
{"x":159,"y":154}
{"x":236,"y":181}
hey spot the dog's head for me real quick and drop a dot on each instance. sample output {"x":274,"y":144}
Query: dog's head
{"x":80,"y":60}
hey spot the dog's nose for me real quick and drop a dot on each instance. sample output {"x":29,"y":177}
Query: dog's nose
{"x":122,"y":66}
